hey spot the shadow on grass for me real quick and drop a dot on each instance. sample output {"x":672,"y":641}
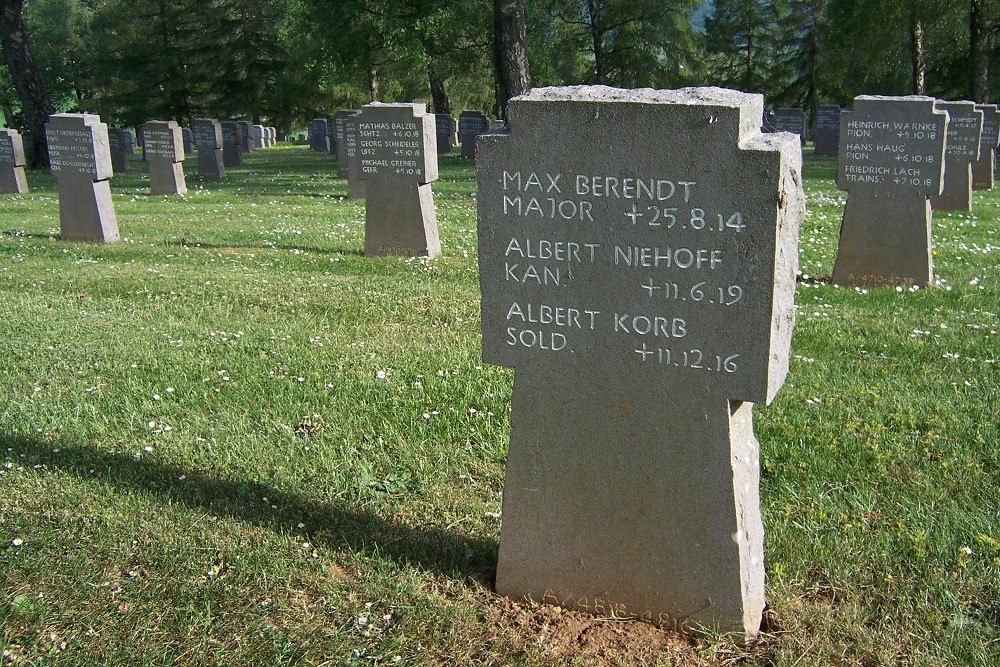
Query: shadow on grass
{"x":21,"y":234}
{"x":349,"y":252}
{"x":443,"y":551}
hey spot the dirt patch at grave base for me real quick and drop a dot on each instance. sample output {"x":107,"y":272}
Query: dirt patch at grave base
{"x":575,"y":638}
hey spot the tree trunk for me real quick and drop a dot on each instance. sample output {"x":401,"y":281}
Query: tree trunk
{"x":35,"y":102}
{"x":919,"y":57}
{"x":440,"y":101}
{"x":374,"y":83}
{"x":593,"y":19}
{"x":979,"y":85}
{"x":510,"y":52}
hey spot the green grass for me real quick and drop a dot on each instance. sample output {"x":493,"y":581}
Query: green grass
{"x":233,"y":439}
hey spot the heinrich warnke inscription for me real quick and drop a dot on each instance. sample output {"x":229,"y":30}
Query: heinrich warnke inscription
{"x":983,"y":169}
{"x":891,"y":160}
{"x":80,"y":159}
{"x":965,"y":129}
{"x":644,"y":296}
{"x":826,"y":129}
{"x":398,"y":158}
{"x":471,"y":124}
{"x":164,"y":147}
{"x":12,"y":178}
{"x":208,"y":139}
{"x":232,"y":144}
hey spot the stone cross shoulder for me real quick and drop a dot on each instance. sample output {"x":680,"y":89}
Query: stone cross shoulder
{"x":637,"y":254}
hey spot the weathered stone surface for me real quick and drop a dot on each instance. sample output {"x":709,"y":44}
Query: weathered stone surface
{"x":398,"y":158}
{"x":119,"y":155}
{"x":826,"y":130}
{"x":12,"y":178}
{"x":319,"y":135}
{"x":80,"y":159}
{"x":164,"y":147}
{"x":355,"y":184}
{"x":232,"y":144}
{"x":340,"y":141}
{"x":446,"y":128}
{"x":208,"y":138}
{"x":983,"y":169}
{"x":891,"y":160}
{"x":965,"y":129}
{"x":470,"y":125}
{"x":637,"y":254}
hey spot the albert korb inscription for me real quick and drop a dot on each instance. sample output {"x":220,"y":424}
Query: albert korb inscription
{"x":391,"y":148}
{"x":71,"y":151}
{"x":890,"y":153}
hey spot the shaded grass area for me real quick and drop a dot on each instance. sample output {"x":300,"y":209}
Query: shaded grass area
{"x":233,"y":439}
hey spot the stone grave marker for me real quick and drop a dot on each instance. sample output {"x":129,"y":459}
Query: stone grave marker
{"x":398,"y":159}
{"x":165,"y":148}
{"x":232,"y":144}
{"x":891,"y":160}
{"x":80,"y":159}
{"x":300,"y":137}
{"x":129,"y":142}
{"x":826,"y":132}
{"x":638,"y":253}
{"x":965,"y":129}
{"x":208,"y":138}
{"x":141,"y":141}
{"x":119,"y":156}
{"x":188,"y":138}
{"x":246,"y":137}
{"x":983,"y":169}
{"x":470,"y":125}
{"x":257,"y":136}
{"x":446,"y":128}
{"x":355,"y":184}
{"x":12,"y":178}
{"x":790,"y":120}
{"x":319,"y":137}
{"x":340,"y":143}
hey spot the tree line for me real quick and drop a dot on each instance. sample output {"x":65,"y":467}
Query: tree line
{"x":282,"y":62}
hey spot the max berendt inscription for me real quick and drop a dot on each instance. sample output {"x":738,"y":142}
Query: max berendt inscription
{"x":12,"y":179}
{"x":80,"y":159}
{"x":397,"y":154}
{"x":644,"y":296}
{"x":891,"y":160}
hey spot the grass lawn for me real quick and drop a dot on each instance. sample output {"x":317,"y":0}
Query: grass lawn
{"x":232,"y":439}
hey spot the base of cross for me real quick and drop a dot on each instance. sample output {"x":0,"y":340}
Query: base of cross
{"x":166,"y":178}
{"x":211,"y":163}
{"x":400,"y":220}
{"x":86,"y":212}
{"x":957,"y":192}
{"x":632,"y":503}
{"x":12,"y":180}
{"x":885,"y":240}
{"x":983,"y":171}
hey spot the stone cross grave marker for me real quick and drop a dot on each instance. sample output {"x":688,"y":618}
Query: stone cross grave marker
{"x":12,"y":178}
{"x":644,"y":295}
{"x":340,"y":142}
{"x":246,"y":136}
{"x":80,"y":159}
{"x":188,"y":140}
{"x":790,"y":120}
{"x":355,"y":184}
{"x":165,"y":148}
{"x":319,"y":138}
{"x":965,"y":129}
{"x":119,"y":156}
{"x":891,"y":160}
{"x":129,"y":142}
{"x":232,"y":144}
{"x":446,"y":128}
{"x":257,"y":136}
{"x":208,"y":138}
{"x":983,"y":168}
{"x":470,"y":125}
{"x":398,"y":157}
{"x":826,"y":133}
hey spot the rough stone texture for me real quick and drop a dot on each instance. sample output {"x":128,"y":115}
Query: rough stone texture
{"x":891,"y":160}
{"x":983,"y":169}
{"x":826,"y":132}
{"x":340,"y":140}
{"x":208,"y":138}
{"x":398,"y":158}
{"x":470,"y":125}
{"x":446,"y":128}
{"x":12,"y":178}
{"x":965,"y":129}
{"x":80,"y":159}
{"x":164,"y":146}
{"x":246,"y":137}
{"x":355,"y":184}
{"x":119,"y":155}
{"x":232,"y":144}
{"x":319,"y":135}
{"x":637,"y":254}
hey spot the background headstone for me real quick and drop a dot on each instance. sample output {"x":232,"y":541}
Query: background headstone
{"x":12,"y":179}
{"x":965,"y":129}
{"x":470,"y":125}
{"x":983,"y":169}
{"x":245,"y":137}
{"x":208,"y":138}
{"x":80,"y":159}
{"x":119,"y":155}
{"x":340,"y":121}
{"x":319,"y":137}
{"x":790,"y":120}
{"x":232,"y":144}
{"x":826,"y":133}
{"x":129,"y":142}
{"x":446,"y":128}
{"x":355,"y":184}
{"x":257,"y":136}
{"x":164,"y":146}
{"x":398,"y":156}
{"x":188,"y":138}
{"x":637,"y":253}
{"x":891,"y":160}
